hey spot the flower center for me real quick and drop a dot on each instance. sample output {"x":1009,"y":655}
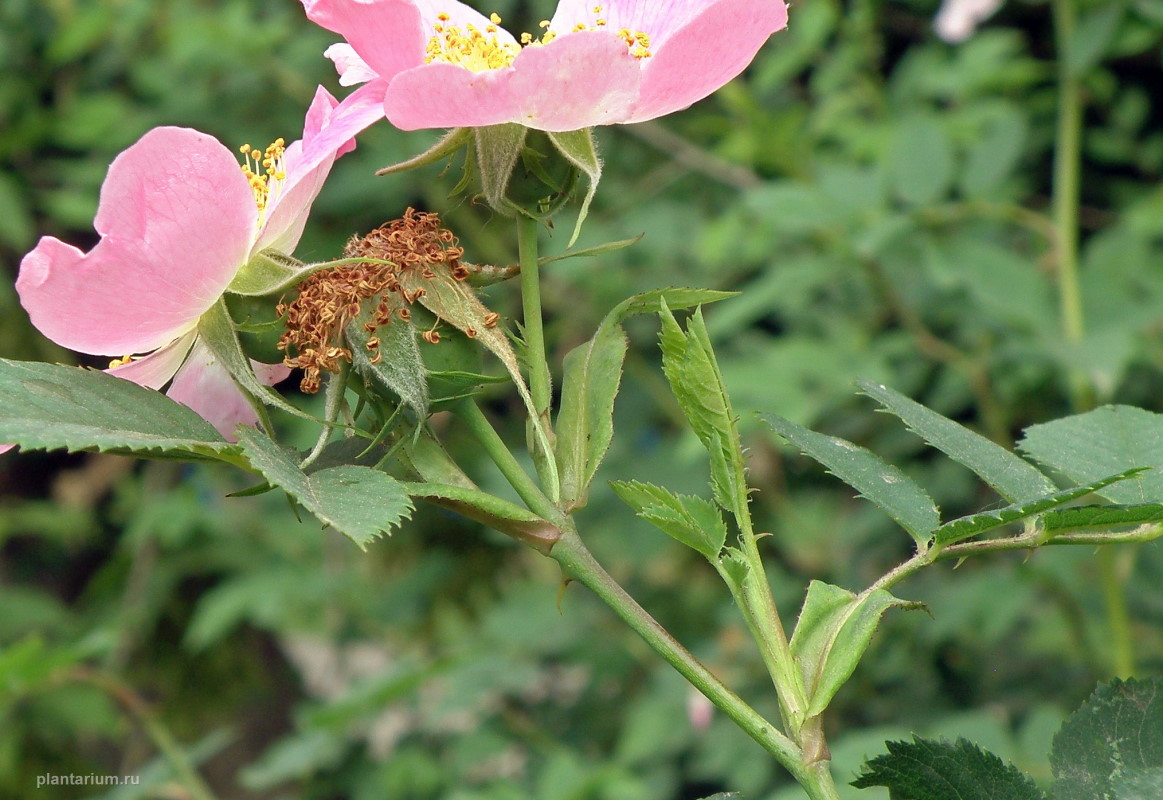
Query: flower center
{"x":264,"y":170}
{"x":482,"y":50}
{"x":469,"y":47}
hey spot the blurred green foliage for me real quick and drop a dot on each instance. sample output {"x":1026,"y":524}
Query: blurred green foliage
{"x":880,"y":199}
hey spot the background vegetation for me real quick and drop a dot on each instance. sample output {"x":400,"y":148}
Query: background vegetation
{"x":881,"y":200}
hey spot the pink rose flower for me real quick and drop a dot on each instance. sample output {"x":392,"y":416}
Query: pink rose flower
{"x":178,"y":218}
{"x":440,"y":64}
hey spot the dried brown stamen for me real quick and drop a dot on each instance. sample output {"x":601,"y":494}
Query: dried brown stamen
{"x":331,"y":298}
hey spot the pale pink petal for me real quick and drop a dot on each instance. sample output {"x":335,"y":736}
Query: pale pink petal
{"x":388,"y":35}
{"x":205,"y":386}
{"x":307,"y":163}
{"x":711,"y":49}
{"x":4,"y":448}
{"x":574,"y":82}
{"x":156,"y":369}
{"x":351,"y":68}
{"x":177,"y":219}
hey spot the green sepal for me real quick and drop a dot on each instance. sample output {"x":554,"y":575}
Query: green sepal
{"x":457,"y":304}
{"x":500,"y":515}
{"x":579,"y":149}
{"x":425,"y":456}
{"x":217,"y":331}
{"x":269,"y":272}
{"x":497,"y":149}
{"x":834,"y":629}
{"x":398,"y":367}
{"x":447,"y":146}
{"x":359,"y":502}
{"x":259,"y":327}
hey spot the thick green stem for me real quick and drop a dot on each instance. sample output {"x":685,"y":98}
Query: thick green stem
{"x":539,"y":383}
{"x":578,"y":562}
{"x":1067,"y":169}
{"x":486,"y":435}
{"x":1113,"y":566}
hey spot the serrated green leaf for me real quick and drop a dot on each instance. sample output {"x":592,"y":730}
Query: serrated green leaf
{"x":1014,"y":479}
{"x":498,"y":514}
{"x":885,"y":485}
{"x":1115,"y":737}
{"x":735,"y":569}
{"x":925,"y":769}
{"x":834,"y":629}
{"x":1144,"y":784}
{"x":54,"y":407}
{"x":592,"y":375}
{"x":398,"y":366}
{"x":1106,"y":441}
{"x":359,"y":502}
{"x":965,"y":527}
{"x":691,"y":520}
{"x":578,"y":148}
{"x":689,"y":363}
{"x":1092,"y":518}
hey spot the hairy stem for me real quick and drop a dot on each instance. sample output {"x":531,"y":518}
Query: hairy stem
{"x":539,"y":382}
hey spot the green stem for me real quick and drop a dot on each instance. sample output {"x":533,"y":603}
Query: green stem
{"x":486,"y":435}
{"x":1112,"y":572}
{"x":1026,"y":541}
{"x":578,"y":562}
{"x":539,"y":382}
{"x":1067,"y":169}
{"x":158,"y":733}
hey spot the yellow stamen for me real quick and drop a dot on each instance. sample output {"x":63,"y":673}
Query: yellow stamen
{"x":120,"y":362}
{"x":264,"y":170}
{"x":480,"y":51}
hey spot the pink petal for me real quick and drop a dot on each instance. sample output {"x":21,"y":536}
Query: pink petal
{"x":351,"y":68}
{"x":387,"y":34}
{"x":206,"y":387}
{"x":4,"y":448}
{"x":308,"y":162}
{"x":156,"y":369}
{"x":711,"y":49}
{"x":574,"y":82}
{"x":177,"y":219}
